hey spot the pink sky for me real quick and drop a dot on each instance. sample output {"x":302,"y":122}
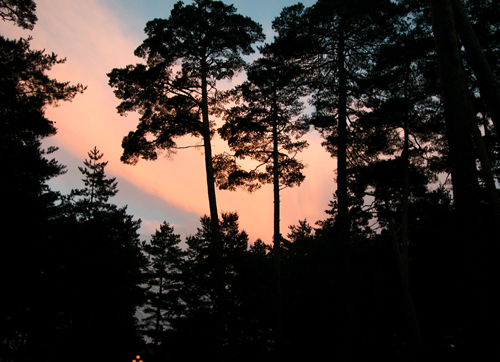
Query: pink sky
{"x":97,"y":36}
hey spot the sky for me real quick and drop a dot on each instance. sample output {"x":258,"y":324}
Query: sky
{"x":96,"y":36}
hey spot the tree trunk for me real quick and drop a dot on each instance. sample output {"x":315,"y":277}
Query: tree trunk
{"x":488,"y":88}
{"x":345,"y":339}
{"x":342,"y":218}
{"x":404,"y":263}
{"x":459,"y":113}
{"x":404,"y":198}
{"x":276,"y":237}
{"x":158,"y":311}
{"x":489,"y":180}
{"x":473,"y":256}
{"x":489,"y":93}
{"x":461,"y":120}
{"x":418,"y":341}
{"x":219,"y":287}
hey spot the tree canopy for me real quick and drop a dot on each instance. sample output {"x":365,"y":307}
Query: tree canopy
{"x":21,"y":12}
{"x":176,"y":92}
{"x":403,"y":266}
{"x":185,"y":55}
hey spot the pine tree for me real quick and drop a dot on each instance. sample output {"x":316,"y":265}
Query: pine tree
{"x":336,"y":41}
{"x":399,"y":134}
{"x":207,"y":39}
{"x":201,"y":252}
{"x":265,"y":128}
{"x":199,"y":278}
{"x":104,"y":266}
{"x":98,"y":188}
{"x":164,"y":282}
{"x":26,"y":90}
{"x":475,"y":273}
{"x":21,"y":12}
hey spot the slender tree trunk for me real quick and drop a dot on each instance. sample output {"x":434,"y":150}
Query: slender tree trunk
{"x":491,"y":95}
{"x":489,"y":180}
{"x":219,"y":292}
{"x":459,"y":112}
{"x":158,"y":311}
{"x":276,"y":236}
{"x":461,"y":119}
{"x":342,"y":143}
{"x":418,"y":342}
{"x":488,"y":88}
{"x":345,"y":340}
{"x":404,"y":263}
{"x":474,"y":269}
{"x":405,"y":194}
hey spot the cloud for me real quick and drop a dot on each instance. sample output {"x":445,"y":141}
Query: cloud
{"x":97,"y":36}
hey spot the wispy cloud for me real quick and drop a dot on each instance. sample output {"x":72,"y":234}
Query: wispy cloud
{"x":95,"y":38}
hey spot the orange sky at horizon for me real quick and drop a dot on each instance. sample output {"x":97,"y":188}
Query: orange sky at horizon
{"x":95,"y":40}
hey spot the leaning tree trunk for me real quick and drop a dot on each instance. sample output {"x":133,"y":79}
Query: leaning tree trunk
{"x":489,"y":179}
{"x":461,"y":120}
{"x":488,"y":88}
{"x":459,"y":113}
{"x":489,"y":93}
{"x":474,"y":256}
{"x":219,"y":287}
{"x":276,"y":237}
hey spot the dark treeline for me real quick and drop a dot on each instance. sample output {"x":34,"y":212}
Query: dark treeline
{"x":404,"y":265}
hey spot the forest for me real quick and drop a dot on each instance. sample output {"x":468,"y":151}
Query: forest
{"x":403,"y":267}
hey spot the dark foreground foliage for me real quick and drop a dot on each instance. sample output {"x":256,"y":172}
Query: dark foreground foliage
{"x":404,"y":265}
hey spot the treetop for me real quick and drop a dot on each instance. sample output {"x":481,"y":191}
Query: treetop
{"x":207,"y":32}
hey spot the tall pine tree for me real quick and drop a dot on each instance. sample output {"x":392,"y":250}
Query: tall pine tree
{"x":176,"y":90}
{"x":265,"y":127}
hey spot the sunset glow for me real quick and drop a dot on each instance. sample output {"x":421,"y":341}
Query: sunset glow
{"x":97,"y":36}
{"x":118,"y":240}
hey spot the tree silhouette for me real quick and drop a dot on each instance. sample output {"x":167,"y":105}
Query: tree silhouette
{"x":98,"y":188}
{"x":399,"y":137}
{"x":466,"y":145}
{"x":199,"y":278}
{"x":104,"y":260}
{"x":265,"y":128}
{"x":21,"y":12}
{"x":26,"y":90}
{"x":175,"y":92}
{"x":455,"y":89}
{"x":336,"y":41}
{"x":164,"y":281}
